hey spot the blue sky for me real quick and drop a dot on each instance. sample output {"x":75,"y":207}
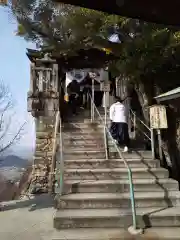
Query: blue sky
{"x":14,"y":72}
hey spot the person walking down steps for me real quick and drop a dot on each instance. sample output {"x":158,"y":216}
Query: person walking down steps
{"x":119,"y":126}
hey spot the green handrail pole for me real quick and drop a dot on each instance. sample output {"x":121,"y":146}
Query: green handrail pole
{"x":61,"y":160}
{"x":92,"y":118}
{"x":132,"y":199}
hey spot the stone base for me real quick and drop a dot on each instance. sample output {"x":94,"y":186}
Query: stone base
{"x":43,"y":154}
{"x":133,"y":231}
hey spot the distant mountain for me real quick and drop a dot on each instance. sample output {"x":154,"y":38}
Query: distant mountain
{"x":13,"y":161}
{"x":12,"y":167}
{"x":20,"y":151}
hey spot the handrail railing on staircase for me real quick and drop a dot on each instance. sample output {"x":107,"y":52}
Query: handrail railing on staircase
{"x":151,"y":138}
{"x":61,"y":183}
{"x":53,"y":162}
{"x":134,"y":218}
{"x":58,"y":124}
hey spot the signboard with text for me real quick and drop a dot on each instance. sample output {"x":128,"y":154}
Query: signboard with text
{"x":158,"y":117}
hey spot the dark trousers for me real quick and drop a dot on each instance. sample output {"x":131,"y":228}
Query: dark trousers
{"x":86,"y":92}
{"x":80,"y":99}
{"x":119,"y":132}
{"x":73,"y":102}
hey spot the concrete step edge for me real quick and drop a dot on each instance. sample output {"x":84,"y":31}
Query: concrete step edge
{"x":121,"y":181}
{"x":116,"y":213}
{"x":117,"y":170}
{"x":119,"y":196}
{"x":138,"y":160}
{"x":163,"y":233}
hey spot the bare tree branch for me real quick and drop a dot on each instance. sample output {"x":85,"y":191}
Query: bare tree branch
{"x":6,"y":105}
{"x":14,"y":139}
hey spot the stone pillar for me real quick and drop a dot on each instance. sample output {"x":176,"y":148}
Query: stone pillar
{"x":43,"y":103}
{"x":43,"y":154}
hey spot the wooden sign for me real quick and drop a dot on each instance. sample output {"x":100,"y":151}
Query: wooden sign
{"x":105,"y":87}
{"x":158,"y":117}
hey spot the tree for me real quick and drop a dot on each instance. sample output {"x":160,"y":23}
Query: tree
{"x":64,"y":27}
{"x":6,"y":107}
{"x":148,"y":54}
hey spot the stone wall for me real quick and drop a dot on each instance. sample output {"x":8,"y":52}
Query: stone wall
{"x":43,"y":154}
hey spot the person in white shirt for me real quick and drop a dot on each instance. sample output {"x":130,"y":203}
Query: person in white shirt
{"x":119,"y":126}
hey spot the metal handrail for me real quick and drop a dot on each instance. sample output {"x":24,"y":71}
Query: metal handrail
{"x":126,"y":165}
{"x":140,"y":120}
{"x":151,"y":138}
{"x":53,"y":163}
{"x":61,"y":183}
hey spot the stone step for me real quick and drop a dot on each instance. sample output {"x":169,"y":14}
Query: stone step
{"x":81,"y":136}
{"x":116,"y":218}
{"x":118,"y":200}
{"x":141,"y":154}
{"x":161,"y":233}
{"x":90,"y":234}
{"x":72,"y":154}
{"x":82,"y":125}
{"x":84,"y":154}
{"x":119,"y":186}
{"x":86,"y":119}
{"x":115,"y":173}
{"x":85,"y":147}
{"x":110,"y":163}
{"x":91,"y":144}
{"x":85,"y":142}
{"x":84,"y":131}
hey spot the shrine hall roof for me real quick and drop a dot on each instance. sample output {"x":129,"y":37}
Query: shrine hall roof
{"x":90,"y":58}
{"x":170,"y":95}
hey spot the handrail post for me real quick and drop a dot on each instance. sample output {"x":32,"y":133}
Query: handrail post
{"x":92,"y":105}
{"x":105,"y":121}
{"x":133,"y":206}
{"x":53,"y":164}
{"x":61,"y":160}
{"x":134,"y":118}
{"x":105,"y":108}
{"x":152,"y":144}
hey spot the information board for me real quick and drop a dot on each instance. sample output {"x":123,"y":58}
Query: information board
{"x":158,"y":117}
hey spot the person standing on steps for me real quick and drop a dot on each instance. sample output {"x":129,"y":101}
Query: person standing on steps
{"x":119,"y":126}
{"x":73,"y":90}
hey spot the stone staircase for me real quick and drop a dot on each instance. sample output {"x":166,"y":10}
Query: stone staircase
{"x":97,"y":190}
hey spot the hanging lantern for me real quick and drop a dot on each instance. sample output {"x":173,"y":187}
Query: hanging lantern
{"x":107,"y":50}
{"x":66,"y":97}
